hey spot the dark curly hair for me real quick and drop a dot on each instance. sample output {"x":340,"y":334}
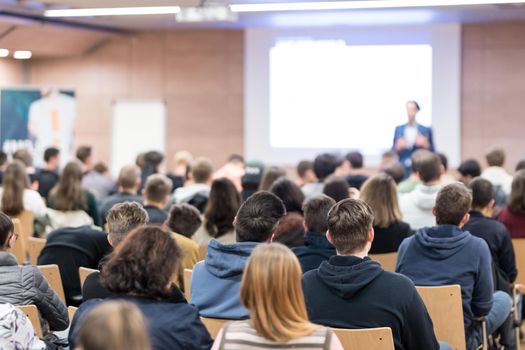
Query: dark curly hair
{"x":143,"y":264}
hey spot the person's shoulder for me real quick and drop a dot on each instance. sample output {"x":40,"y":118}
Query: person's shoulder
{"x":397,"y":283}
{"x":184,"y":241}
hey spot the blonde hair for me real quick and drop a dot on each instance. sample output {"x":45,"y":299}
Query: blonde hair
{"x":271,"y":289}
{"x":115,"y":325}
{"x":380,"y":193}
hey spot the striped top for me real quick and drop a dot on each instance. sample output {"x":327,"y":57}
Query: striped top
{"x":241,"y":335}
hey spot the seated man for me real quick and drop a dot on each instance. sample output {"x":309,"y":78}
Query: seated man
{"x":316,"y":247}
{"x":352,"y":291}
{"x":156,"y":192}
{"x":446,"y":254}
{"x":47,"y":177}
{"x":216,"y":281}
{"x":196,"y":193}
{"x":357,"y":176}
{"x":324,"y":165}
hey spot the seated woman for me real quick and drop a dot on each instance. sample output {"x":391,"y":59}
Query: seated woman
{"x":16,"y":330}
{"x":114,"y":325}
{"x":24,"y":285}
{"x":513,"y":217}
{"x":380,"y":193}
{"x":69,"y":196}
{"x":271,"y":289}
{"x":140,"y":271}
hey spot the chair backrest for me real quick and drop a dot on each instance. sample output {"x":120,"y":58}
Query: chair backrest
{"x":213,"y":325}
{"x":19,"y":249}
{"x":27,"y":220}
{"x":34,"y":247}
{"x":71,"y":310}
{"x":32,"y":314}
{"x":387,"y":261}
{"x":83,"y":273}
{"x":519,"y":250}
{"x":446,"y":311}
{"x":365,"y":339}
{"x":187,"y":283}
{"x":52,"y":275}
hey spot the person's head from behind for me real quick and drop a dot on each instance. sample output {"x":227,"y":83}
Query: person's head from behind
{"x":258,"y":217}
{"x":482,"y":195}
{"x":517,"y":193}
{"x":143,"y":264}
{"x":24,"y":156}
{"x":495,"y":157}
{"x":396,"y":171}
{"x":452,"y":206}
{"x":428,"y":168}
{"x":380,"y":193}
{"x":519,"y":166}
{"x":85,"y":156}
{"x":305,"y":171}
{"x":157,"y":190}
{"x":14,"y":183}
{"x":387,"y":159}
{"x":123,"y":218}
{"x":325,"y":165}
{"x":469,"y":169}
{"x":315,"y":211}
{"x":336,"y":188}
{"x":52,"y":158}
{"x":115,"y":325}
{"x":223,"y":203}
{"x":7,"y":235}
{"x":68,"y":193}
{"x":355,"y":159}
{"x":152,"y":161}
{"x":289,"y":193}
{"x":184,"y":219}
{"x":129,"y":179}
{"x":270,"y":175}
{"x":271,"y":289}
{"x":101,"y":168}
{"x":236,"y":159}
{"x":202,"y":170}
{"x":412,"y":110}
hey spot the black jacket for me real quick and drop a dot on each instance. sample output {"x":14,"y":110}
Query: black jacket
{"x":498,"y":239}
{"x":46,"y":181}
{"x":156,"y":216}
{"x":388,"y":240}
{"x":316,"y":249}
{"x":350,"y":292}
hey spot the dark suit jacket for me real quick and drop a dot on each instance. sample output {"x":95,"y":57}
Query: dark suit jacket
{"x":404,"y":155}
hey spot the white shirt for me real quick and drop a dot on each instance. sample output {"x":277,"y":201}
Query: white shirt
{"x":499,"y":177}
{"x":16,"y":331}
{"x":410,"y":135}
{"x":32,"y":201}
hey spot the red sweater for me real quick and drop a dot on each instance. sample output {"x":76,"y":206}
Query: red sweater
{"x":515,"y":223}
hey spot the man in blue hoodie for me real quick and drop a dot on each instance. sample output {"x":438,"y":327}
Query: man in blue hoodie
{"x":216,"y":281}
{"x":352,"y":291}
{"x":445,"y":255}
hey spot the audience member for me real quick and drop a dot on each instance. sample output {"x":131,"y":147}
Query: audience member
{"x":388,"y":159}
{"x":217,"y":223}
{"x":196,"y":193}
{"x":357,"y":176}
{"x":114,"y":325}
{"x":416,"y":206}
{"x":156,"y":192}
{"x":99,"y":182}
{"x":468,"y":170}
{"x":128,"y":185}
{"x":24,"y":285}
{"x":47,"y":177}
{"x":270,"y":175}
{"x":233,"y":170}
{"x":290,"y":230}
{"x":520,"y":165}
{"x":253,"y":173}
{"x":446,"y":254}
{"x":150,"y":163}
{"x":352,"y":291}
{"x":85,"y":157}
{"x":316,"y":247}
{"x":324,"y":165}
{"x":122,"y":218}
{"x":216,"y":281}
{"x":15,"y":194}
{"x":337,"y":188}
{"x":181,"y":169}
{"x":513,"y":217}
{"x":69,"y":195}
{"x":23,"y":155}
{"x":305,"y":171}
{"x":495,"y":173}
{"x":271,"y":290}
{"x":379,"y":192}
{"x":446,"y":178}
{"x":412,"y":180}
{"x":139,"y":271}
{"x":16,"y":330}
{"x":396,"y":171}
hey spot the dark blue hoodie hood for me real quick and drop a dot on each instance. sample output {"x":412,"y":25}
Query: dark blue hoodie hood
{"x":441,"y":242}
{"x":227,"y":260}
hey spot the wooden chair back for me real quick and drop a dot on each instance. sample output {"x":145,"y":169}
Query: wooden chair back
{"x":27,"y":220}
{"x":32,"y":314}
{"x":387,"y":260}
{"x":213,"y":325}
{"x":83,"y":273}
{"x":19,"y":248}
{"x":365,"y":339}
{"x":446,"y":311}
{"x":519,"y":251}
{"x":71,"y":310}
{"x":187,"y":283}
{"x":34,"y":247}
{"x":52,"y":275}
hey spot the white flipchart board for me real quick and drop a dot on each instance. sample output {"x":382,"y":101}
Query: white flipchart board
{"x":138,"y":126}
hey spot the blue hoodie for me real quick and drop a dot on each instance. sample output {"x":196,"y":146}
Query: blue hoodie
{"x":216,"y":281}
{"x":316,"y":249}
{"x":444,"y":255}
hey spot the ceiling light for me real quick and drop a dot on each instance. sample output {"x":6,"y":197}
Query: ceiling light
{"x":4,"y":52}
{"x":360,"y":4}
{"x":22,"y":55}
{"x":113,"y":11}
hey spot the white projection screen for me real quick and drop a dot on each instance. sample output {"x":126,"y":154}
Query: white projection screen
{"x":309,"y":91}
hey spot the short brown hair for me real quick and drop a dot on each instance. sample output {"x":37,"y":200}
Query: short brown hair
{"x":201,"y":169}
{"x":517,"y":193}
{"x":380,"y":193}
{"x":428,"y":167}
{"x":495,"y":157}
{"x":184,"y":219}
{"x":157,"y":187}
{"x":24,"y":156}
{"x":83,"y":153}
{"x":452,"y":203}
{"x":143,"y":264}
{"x":128,"y":176}
{"x":123,"y":218}
{"x":315,"y":211}
{"x":349,"y":222}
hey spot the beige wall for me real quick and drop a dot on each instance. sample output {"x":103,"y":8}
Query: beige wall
{"x":199,"y":73}
{"x":12,"y":72}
